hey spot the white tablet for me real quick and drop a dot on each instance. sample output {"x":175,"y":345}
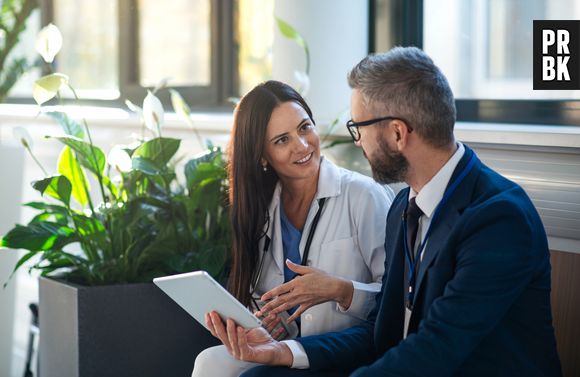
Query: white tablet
{"x":198,"y":293}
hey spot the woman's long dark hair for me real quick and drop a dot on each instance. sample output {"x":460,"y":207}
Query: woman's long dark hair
{"x":251,"y":188}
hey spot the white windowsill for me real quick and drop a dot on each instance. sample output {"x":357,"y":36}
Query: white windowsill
{"x":519,"y":134}
{"x":469,"y":132}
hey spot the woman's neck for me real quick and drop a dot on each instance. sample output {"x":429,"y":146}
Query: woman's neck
{"x":296,"y":197}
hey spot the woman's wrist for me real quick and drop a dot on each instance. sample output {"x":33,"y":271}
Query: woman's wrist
{"x":345,"y":293}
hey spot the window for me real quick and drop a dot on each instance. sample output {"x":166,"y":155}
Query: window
{"x":484,"y":47}
{"x":209,"y":50}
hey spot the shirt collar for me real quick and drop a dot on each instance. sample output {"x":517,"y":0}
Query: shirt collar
{"x":432,"y":193}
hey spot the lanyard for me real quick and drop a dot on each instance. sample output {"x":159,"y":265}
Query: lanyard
{"x":306,"y":252}
{"x":414,"y":261}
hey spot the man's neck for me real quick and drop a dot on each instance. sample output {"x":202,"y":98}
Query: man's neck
{"x":426,"y":163}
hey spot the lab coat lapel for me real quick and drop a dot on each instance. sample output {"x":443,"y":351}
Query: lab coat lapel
{"x":275,"y":229}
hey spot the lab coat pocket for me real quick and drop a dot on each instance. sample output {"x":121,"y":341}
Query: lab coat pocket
{"x":340,"y":257}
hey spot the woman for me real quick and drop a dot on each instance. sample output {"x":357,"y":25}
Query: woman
{"x":290,"y":207}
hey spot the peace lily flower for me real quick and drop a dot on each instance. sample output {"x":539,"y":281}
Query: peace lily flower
{"x":119,"y":158}
{"x":162,"y":84}
{"x":46,"y":88}
{"x":153,"y":113}
{"x":49,"y":42}
{"x":21,"y":134}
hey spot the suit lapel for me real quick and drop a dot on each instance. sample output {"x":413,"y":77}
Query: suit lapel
{"x":450,"y":214}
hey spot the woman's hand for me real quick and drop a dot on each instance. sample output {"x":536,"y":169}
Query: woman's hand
{"x":311,"y":287}
{"x":254,"y":345}
{"x":269,"y":322}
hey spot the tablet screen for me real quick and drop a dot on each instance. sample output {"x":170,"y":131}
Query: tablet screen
{"x":198,"y":293}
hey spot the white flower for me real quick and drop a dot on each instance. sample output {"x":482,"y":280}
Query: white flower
{"x":46,"y":88}
{"x":161,"y":84}
{"x":49,"y":42}
{"x":153,"y":113}
{"x":303,"y":81}
{"x":21,"y":134}
{"x":119,"y":158}
{"x":134,"y":108}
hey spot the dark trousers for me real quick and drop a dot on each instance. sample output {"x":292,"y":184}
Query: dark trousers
{"x":268,"y":371}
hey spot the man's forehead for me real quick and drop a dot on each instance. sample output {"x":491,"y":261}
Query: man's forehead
{"x":358,"y":104}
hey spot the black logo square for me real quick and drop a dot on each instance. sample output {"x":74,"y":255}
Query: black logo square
{"x":556,"y":55}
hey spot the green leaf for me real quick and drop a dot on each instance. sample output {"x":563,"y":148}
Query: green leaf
{"x":36,"y":236}
{"x":146,"y":166}
{"x":50,"y":208}
{"x":159,"y":150}
{"x":213,"y":156}
{"x":69,"y":126}
{"x":90,"y":156}
{"x":69,"y":166}
{"x":113,"y":189}
{"x":46,"y":88}
{"x":58,"y":186}
{"x":20,"y":262}
{"x":89,"y":225}
{"x":289,"y":32}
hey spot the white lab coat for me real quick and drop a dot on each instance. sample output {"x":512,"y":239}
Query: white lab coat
{"x":348,"y":242}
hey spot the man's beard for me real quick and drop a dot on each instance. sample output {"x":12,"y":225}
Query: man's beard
{"x":388,"y":166}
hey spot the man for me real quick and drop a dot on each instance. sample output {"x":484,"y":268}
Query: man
{"x":466,"y":289}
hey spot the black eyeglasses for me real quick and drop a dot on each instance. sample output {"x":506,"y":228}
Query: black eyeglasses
{"x":353,"y":126}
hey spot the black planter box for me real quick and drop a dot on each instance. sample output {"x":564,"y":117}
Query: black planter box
{"x":118,"y":330}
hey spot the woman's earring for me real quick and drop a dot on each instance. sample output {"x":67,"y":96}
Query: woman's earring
{"x":265,"y":167}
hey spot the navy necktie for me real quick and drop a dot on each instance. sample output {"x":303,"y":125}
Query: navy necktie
{"x":413,"y":215}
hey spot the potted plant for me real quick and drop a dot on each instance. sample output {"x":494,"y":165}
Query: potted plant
{"x":97,"y":253}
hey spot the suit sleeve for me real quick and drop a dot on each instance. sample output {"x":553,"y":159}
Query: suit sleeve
{"x":369,"y":217}
{"x":342,"y":351}
{"x":491,"y":272}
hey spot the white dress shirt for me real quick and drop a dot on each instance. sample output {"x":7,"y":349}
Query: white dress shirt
{"x":427,"y":200}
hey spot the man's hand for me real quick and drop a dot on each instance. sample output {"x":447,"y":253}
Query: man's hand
{"x":312,"y":287}
{"x":254,"y":345}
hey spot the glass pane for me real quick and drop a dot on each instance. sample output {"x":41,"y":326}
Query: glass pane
{"x":175,"y":42}
{"x":25,"y":49}
{"x":90,"y":54}
{"x":255,"y":38}
{"x":484,"y":47}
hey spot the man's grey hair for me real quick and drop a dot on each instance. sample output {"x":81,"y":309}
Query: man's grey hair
{"x":405,"y":82}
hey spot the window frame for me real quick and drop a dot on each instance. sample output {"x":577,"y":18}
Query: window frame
{"x":223,"y":80}
{"x":407,"y":19}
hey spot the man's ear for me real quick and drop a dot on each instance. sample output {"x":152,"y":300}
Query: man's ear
{"x":401,"y":133}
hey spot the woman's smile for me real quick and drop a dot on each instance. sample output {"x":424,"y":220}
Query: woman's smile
{"x":305,"y":159}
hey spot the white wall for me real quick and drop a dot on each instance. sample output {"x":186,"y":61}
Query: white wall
{"x":11,"y":158}
{"x":337,"y":34}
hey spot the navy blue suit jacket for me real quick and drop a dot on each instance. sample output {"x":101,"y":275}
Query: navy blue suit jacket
{"x":482,"y":304}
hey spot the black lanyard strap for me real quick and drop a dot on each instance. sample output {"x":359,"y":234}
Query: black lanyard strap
{"x":321,"y":202}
